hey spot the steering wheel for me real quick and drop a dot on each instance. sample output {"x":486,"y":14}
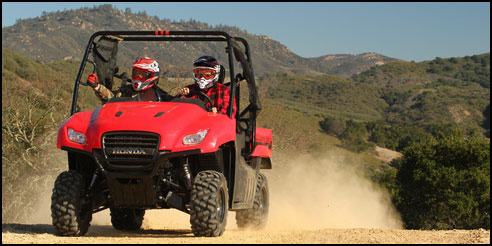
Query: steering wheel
{"x":207,"y":98}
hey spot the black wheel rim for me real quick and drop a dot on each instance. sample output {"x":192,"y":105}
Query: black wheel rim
{"x":221,"y":206}
{"x":263,"y":202}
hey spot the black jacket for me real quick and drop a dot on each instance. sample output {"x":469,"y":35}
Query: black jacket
{"x":127,"y":91}
{"x":162,"y":95}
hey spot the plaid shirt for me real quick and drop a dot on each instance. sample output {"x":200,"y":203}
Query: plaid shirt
{"x":219,"y":95}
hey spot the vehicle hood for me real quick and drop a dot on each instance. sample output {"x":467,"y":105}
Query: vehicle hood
{"x":171,"y":120}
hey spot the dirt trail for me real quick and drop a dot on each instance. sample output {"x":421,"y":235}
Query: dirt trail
{"x":44,"y":233}
{"x":312,"y":200}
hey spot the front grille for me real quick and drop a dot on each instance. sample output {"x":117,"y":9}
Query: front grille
{"x":130,"y":145}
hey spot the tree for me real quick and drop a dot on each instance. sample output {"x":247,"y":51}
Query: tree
{"x":432,"y":69}
{"x":438,"y":60}
{"x":445,"y":183}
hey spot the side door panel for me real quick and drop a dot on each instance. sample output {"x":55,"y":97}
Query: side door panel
{"x":244,"y":181}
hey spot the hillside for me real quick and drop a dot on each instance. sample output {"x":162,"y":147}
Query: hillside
{"x":452,"y":91}
{"x":325,"y":95}
{"x":64,"y":34}
{"x":344,"y":65}
{"x":35,"y":101}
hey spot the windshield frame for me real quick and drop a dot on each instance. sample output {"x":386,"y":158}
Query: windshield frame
{"x":163,"y":36}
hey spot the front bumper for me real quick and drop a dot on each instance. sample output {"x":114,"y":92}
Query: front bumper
{"x":131,"y":183}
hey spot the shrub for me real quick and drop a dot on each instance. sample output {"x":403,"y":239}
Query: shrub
{"x":445,"y":183}
{"x":355,"y":137}
{"x":333,"y":126}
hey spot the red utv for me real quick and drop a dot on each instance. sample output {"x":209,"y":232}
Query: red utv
{"x":128,"y":155}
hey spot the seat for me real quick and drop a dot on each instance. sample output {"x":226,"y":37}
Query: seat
{"x":221,"y":74}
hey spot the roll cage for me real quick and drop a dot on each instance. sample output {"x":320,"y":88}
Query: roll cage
{"x":248,"y":115}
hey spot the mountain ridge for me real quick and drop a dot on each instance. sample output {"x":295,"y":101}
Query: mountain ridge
{"x":51,"y":37}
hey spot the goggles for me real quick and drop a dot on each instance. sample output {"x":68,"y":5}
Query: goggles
{"x":206,"y":73}
{"x":141,"y":75}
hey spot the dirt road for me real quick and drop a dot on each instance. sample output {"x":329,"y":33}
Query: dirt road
{"x":285,"y":226}
{"x":44,"y":233}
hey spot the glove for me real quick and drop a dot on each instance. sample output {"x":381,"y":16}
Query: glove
{"x":92,"y":80}
{"x":185,"y":91}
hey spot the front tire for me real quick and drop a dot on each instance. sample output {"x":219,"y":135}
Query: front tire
{"x":71,"y":211}
{"x":255,"y":218}
{"x":127,"y":219}
{"x":209,"y":204}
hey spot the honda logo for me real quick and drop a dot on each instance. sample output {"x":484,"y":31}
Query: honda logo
{"x":128,"y":151}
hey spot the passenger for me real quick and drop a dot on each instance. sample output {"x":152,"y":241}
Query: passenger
{"x":206,"y":73}
{"x":145,"y":76}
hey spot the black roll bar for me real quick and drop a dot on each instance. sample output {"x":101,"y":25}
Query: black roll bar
{"x":253,"y":110}
{"x":167,"y":35}
{"x":160,"y":36}
{"x":174,"y":39}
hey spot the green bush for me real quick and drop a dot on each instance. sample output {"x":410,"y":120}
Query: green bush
{"x":395,"y":97}
{"x":355,"y":137}
{"x":333,"y":126}
{"x":445,"y":183}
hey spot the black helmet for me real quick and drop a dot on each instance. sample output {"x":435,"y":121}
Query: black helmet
{"x":206,"y":71}
{"x":205,"y":61}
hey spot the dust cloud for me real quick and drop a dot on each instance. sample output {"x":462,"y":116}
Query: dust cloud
{"x":306,"y":193}
{"x":42,"y":209}
{"x":309,"y":193}
{"x":326,"y":192}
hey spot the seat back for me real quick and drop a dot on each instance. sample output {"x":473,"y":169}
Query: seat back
{"x":221,"y":74}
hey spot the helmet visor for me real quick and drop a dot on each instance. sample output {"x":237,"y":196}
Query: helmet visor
{"x":205,"y":73}
{"x":141,"y":75}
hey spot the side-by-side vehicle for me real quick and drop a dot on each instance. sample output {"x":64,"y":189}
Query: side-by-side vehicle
{"x":130,"y":156}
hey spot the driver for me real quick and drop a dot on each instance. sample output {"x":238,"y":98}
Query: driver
{"x":206,"y":72}
{"x":145,"y":76}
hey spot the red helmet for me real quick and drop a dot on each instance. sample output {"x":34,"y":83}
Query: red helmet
{"x":145,"y":73}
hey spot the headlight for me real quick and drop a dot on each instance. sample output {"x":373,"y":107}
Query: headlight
{"x":76,"y":137}
{"x":195,"y":138}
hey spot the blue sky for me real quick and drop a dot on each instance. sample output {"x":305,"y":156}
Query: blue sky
{"x":408,"y":31}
